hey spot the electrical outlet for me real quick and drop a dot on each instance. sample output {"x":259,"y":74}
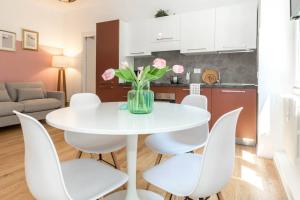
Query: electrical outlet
{"x":197,"y":70}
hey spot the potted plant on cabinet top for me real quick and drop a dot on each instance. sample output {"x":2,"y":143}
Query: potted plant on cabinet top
{"x":161,"y":13}
{"x":140,"y":99}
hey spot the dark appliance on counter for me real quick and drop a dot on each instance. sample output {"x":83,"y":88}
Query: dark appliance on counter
{"x":295,"y":9}
{"x":175,"y":79}
{"x":165,"y":97}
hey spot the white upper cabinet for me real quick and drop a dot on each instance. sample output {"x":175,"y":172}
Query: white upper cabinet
{"x":229,"y":28}
{"x":198,"y":31}
{"x":139,"y":43}
{"x":165,"y":33}
{"x":236,"y":27}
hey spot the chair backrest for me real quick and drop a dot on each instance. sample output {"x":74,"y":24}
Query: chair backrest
{"x":219,"y":155}
{"x":195,"y":100}
{"x":84,"y":100}
{"x":42,"y":167}
{"x":198,"y":134}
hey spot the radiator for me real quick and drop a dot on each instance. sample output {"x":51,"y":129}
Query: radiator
{"x":291,"y":127}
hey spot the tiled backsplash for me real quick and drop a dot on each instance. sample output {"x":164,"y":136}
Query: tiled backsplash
{"x":233,"y":67}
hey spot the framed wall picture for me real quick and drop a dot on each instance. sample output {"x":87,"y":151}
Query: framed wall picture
{"x":7,"y":41}
{"x":30,"y":40}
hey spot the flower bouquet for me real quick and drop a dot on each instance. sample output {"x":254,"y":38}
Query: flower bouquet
{"x":140,"y":99}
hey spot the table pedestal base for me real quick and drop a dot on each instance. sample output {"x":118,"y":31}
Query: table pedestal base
{"x":143,"y":195}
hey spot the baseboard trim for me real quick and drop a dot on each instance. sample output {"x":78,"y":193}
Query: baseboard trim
{"x":246,"y":142}
{"x":289,"y":174}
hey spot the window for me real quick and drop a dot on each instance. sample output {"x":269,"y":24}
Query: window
{"x":297,"y":57}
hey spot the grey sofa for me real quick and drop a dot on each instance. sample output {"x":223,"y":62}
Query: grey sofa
{"x":30,"y":98}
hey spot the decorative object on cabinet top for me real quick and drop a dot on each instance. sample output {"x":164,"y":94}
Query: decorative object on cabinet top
{"x":161,"y":13}
{"x":211,"y":76}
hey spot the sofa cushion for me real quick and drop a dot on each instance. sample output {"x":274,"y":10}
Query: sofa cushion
{"x":30,"y":93}
{"x":4,"y":97}
{"x":6,"y":108}
{"x":12,"y":88}
{"x":36,"y":105}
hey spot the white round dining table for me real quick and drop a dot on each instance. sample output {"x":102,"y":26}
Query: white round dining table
{"x":110,"y":119}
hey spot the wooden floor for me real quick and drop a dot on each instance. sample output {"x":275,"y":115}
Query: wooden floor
{"x":253,"y":179}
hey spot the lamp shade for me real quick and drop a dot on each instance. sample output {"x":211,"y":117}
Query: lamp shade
{"x":61,"y":61}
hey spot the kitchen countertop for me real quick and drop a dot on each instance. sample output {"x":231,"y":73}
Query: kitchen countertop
{"x":203,"y":85}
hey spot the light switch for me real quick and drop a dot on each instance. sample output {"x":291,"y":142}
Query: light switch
{"x":197,"y":70}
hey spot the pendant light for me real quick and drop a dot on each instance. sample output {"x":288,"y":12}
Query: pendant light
{"x":67,"y":1}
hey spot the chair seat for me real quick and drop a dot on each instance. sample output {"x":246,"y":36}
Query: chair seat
{"x":176,"y":175}
{"x":179,"y":142}
{"x":98,"y":144}
{"x":88,"y":179}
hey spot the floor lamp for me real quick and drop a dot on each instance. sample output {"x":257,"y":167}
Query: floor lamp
{"x":61,"y":62}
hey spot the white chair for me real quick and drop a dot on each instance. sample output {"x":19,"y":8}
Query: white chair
{"x":200,"y":176}
{"x":180,"y":142}
{"x":48,"y":179}
{"x":93,"y":144}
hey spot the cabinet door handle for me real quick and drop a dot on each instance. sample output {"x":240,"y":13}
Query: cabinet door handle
{"x":137,"y":53}
{"x":233,"y":91}
{"x":126,"y":87}
{"x":235,"y":47}
{"x":198,"y":49}
{"x":166,"y":38}
{"x":186,"y":89}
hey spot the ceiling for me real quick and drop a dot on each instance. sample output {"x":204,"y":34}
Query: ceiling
{"x":55,"y":4}
{"x":65,"y":7}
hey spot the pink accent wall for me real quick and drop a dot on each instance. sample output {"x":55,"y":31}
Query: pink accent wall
{"x":26,"y":65}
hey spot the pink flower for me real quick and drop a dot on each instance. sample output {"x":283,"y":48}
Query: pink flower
{"x":140,"y":68}
{"x":124,"y":65}
{"x":178,"y":69}
{"x":159,"y":63}
{"x":108,"y":74}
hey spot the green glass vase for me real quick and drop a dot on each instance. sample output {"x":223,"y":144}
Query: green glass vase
{"x":140,"y":99}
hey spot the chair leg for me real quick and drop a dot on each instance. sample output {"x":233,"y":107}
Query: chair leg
{"x":79,"y":154}
{"x":220,"y":196}
{"x":100,"y":157}
{"x":171,"y":196}
{"x":115,"y":160}
{"x":188,"y":198}
{"x":158,"y":159}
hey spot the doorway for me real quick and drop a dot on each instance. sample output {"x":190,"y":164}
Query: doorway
{"x":89,"y":64}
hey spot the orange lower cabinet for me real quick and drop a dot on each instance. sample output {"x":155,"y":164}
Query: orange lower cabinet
{"x":113,"y":93}
{"x":225,"y":100}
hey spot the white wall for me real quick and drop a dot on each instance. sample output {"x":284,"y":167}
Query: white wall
{"x":78,"y":21}
{"x":277,"y":51}
{"x":34,"y":15}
